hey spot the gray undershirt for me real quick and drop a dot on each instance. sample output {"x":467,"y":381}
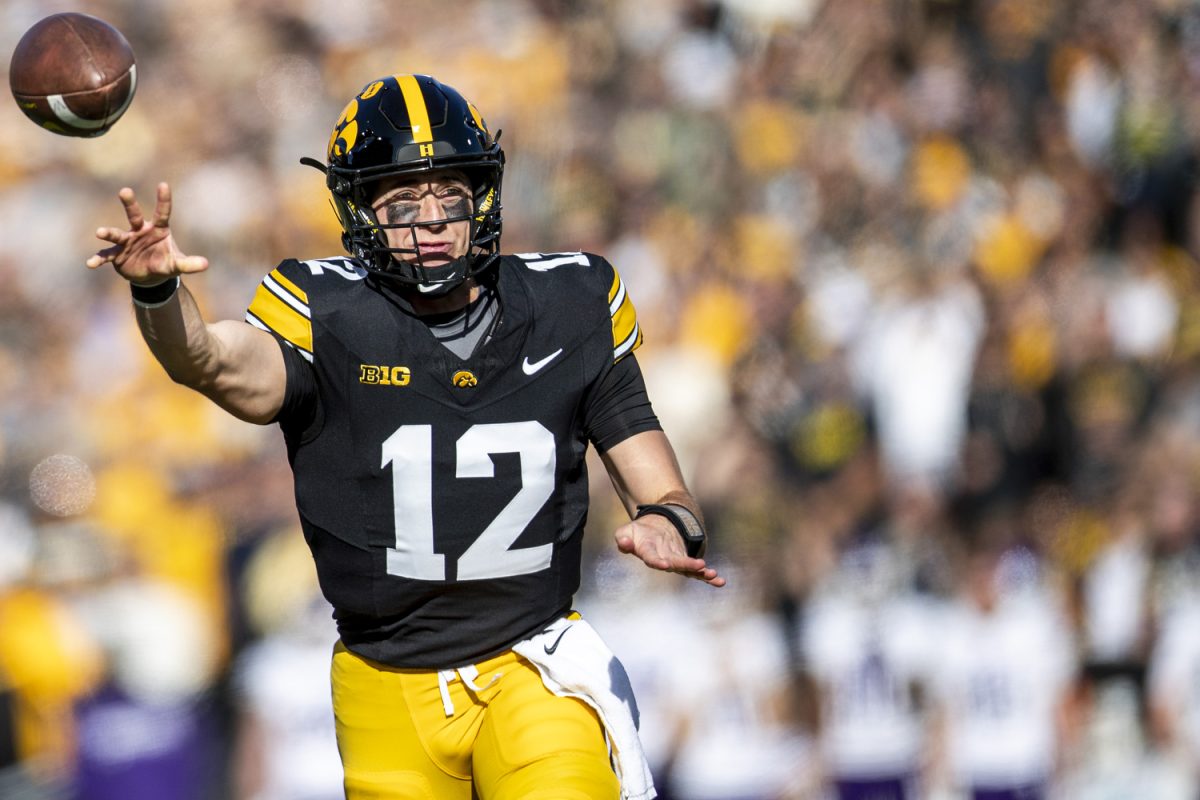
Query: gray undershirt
{"x":461,"y":331}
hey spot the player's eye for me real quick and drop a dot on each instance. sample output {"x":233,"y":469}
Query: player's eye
{"x":405,"y":209}
{"x":455,"y":203}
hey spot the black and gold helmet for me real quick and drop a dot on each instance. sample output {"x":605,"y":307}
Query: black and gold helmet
{"x":404,"y":125}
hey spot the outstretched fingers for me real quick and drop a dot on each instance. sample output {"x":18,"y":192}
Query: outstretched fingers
{"x":694,"y":568}
{"x":133,"y":210}
{"x":103,"y":257}
{"x":162,"y":208}
{"x":708,"y":575}
{"x":656,"y":554}
{"x":187,"y":265}
{"x":114,"y":235}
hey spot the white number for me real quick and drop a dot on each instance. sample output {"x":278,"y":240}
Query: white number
{"x":489,"y":556}
{"x":410,"y":452}
{"x":340,"y":266}
{"x":546,"y":261}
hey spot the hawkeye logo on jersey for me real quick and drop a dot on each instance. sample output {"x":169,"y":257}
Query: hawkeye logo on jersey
{"x":382,"y":375}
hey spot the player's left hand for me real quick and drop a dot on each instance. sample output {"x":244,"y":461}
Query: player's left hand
{"x":655,"y":541}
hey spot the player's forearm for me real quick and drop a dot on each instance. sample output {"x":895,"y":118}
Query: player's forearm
{"x":644,"y":470}
{"x":237,"y":366}
{"x":180,"y":340}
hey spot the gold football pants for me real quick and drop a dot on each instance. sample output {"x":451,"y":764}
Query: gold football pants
{"x":425,"y":735}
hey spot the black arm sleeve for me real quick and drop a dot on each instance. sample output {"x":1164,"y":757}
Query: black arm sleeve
{"x":298,"y":414}
{"x":617,"y":406}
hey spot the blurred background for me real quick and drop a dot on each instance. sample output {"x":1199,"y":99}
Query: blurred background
{"x":919,"y":287}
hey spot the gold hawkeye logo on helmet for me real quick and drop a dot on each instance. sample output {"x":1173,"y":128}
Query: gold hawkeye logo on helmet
{"x":464,"y":379}
{"x":345,"y":132}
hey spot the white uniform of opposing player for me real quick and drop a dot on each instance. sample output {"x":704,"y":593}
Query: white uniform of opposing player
{"x":739,"y":741}
{"x":869,"y":659}
{"x":1002,"y":675}
{"x":711,"y":688}
{"x":283,"y":683}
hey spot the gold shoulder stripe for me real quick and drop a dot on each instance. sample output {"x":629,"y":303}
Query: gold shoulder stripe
{"x":615,"y":288}
{"x":418,"y":114}
{"x":299,"y":293}
{"x":262,"y":326}
{"x":633,"y":342}
{"x":282,"y":318}
{"x":625,"y":331}
{"x":624,"y":321}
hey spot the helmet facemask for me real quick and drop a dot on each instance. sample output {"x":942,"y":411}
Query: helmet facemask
{"x":367,"y":235}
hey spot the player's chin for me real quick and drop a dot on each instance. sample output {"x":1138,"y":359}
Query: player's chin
{"x":434,"y":260}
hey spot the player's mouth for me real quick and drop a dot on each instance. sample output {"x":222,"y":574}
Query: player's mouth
{"x":435,"y":248}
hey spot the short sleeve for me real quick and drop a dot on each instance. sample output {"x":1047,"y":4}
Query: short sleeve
{"x":617,"y":406}
{"x":280,"y":307}
{"x":301,"y":401}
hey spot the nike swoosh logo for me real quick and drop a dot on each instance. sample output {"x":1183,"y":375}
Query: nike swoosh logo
{"x":529,"y":369}
{"x":550,"y":648}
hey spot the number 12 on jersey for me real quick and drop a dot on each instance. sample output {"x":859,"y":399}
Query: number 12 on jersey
{"x":409,"y":451}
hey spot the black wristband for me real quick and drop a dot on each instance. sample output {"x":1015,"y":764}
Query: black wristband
{"x":695,"y":541}
{"x":156,"y":295}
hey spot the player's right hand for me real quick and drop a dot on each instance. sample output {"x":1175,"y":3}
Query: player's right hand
{"x":146,"y":253}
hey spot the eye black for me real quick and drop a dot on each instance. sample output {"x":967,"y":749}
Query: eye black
{"x":403,"y":211}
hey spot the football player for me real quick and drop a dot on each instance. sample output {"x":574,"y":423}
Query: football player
{"x":1004,"y":666}
{"x":867,"y":642}
{"x":437,"y":399}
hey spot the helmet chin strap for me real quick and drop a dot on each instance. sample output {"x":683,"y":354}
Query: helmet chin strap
{"x":456,"y":273}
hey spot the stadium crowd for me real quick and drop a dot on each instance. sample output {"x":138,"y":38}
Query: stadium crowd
{"x":922,"y":310}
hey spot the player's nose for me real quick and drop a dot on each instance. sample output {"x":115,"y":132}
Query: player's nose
{"x":432,"y":209}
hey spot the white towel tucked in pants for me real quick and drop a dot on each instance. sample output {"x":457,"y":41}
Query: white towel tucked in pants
{"x":574,"y":662}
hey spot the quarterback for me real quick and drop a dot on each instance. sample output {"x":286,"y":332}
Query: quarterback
{"x":437,"y":399}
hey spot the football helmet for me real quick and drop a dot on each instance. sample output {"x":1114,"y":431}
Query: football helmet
{"x":403,"y":125}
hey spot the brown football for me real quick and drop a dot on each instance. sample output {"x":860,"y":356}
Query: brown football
{"x":73,"y":74}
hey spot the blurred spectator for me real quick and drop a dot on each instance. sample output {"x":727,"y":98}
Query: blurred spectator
{"x":148,"y":731}
{"x":915,"y":366}
{"x":1172,"y":688}
{"x":870,"y":644}
{"x":739,"y":737}
{"x":1004,"y":670}
{"x":286,"y":748}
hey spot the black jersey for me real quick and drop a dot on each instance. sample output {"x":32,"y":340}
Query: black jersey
{"x":444,"y":499}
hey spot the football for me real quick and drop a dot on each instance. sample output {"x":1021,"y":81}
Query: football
{"x":73,"y":74}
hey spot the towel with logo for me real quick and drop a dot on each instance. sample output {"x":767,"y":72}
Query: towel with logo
{"x":574,"y":662}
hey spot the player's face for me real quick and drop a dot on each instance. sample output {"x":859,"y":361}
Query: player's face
{"x":428,"y":198}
